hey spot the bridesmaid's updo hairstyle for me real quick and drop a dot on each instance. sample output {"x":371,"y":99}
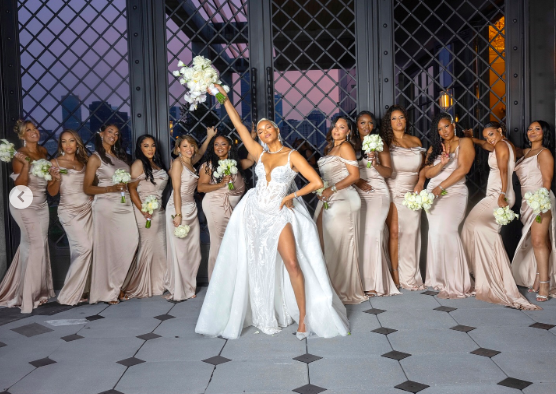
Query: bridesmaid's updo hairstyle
{"x":117,"y":149}
{"x":357,"y":141}
{"x":157,"y":158}
{"x":21,"y":126}
{"x":211,"y":159}
{"x":436,"y":141}
{"x":329,"y":138}
{"x":187,"y":138}
{"x":496,"y":125}
{"x":386,"y":132}
{"x":81,"y":153}
{"x":546,"y":134}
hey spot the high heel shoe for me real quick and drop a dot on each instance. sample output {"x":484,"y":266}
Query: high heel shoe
{"x":542,"y":298}
{"x":532,"y":288}
{"x":302,"y":335}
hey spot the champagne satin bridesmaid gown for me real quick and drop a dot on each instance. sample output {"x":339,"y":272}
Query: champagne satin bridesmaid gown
{"x":340,"y":231}
{"x":115,"y":236}
{"x":374,"y":262}
{"x":406,"y":164}
{"x":29,"y":278}
{"x":218,"y":206}
{"x":76,"y":216}
{"x":183,"y":254}
{"x":146,"y":277}
{"x":447,"y":268}
{"x":524,"y":264}
{"x":483,"y":244}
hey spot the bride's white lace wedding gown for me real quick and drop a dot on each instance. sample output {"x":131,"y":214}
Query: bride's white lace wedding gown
{"x":251,"y":286}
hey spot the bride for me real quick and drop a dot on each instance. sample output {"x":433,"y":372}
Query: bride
{"x":250,"y":285}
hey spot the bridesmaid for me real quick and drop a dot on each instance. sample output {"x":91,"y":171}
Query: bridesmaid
{"x":146,"y":278}
{"x":481,"y":239}
{"x":184,"y":254}
{"x":374,"y":262}
{"x":339,"y":225}
{"x":75,"y":215}
{"x":114,"y":229}
{"x":404,"y":225}
{"x":534,"y":262}
{"x":219,"y":201}
{"x":449,"y":159}
{"x":28,"y":282}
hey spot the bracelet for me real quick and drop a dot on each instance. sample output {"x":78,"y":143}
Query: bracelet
{"x":333,"y":188}
{"x":441,"y":188}
{"x":178,"y":214}
{"x":504,"y":193}
{"x":295,"y":194}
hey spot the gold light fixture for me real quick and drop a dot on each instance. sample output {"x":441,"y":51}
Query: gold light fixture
{"x":446,"y":101}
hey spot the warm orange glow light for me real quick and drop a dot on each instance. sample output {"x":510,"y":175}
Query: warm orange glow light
{"x":445,"y":100}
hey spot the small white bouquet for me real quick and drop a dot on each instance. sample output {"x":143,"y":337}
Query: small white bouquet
{"x":417,"y":201}
{"x":181,"y":231}
{"x":504,"y":215}
{"x":318,"y":192}
{"x":121,"y":176}
{"x":7,"y":150}
{"x":372,"y":143}
{"x":539,"y":202}
{"x":226,"y":167}
{"x":199,"y":77}
{"x":41,"y":168}
{"x":149,"y":205}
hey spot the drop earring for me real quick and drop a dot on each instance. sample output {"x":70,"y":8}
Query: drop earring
{"x":62,"y":153}
{"x":280,"y":138}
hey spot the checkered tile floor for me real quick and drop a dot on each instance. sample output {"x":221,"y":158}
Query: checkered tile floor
{"x":410,"y":343}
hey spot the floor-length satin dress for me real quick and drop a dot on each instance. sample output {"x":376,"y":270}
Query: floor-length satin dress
{"x":524,"y":264}
{"x":183,"y":254}
{"x":146,"y":278}
{"x":115,"y":236}
{"x":76,"y":216}
{"x":447,"y":268}
{"x":374,"y":262}
{"x":218,"y":206}
{"x":340,"y":230}
{"x":483,"y":244}
{"x":250,"y":285}
{"x":28,"y":280}
{"x":406,"y":164}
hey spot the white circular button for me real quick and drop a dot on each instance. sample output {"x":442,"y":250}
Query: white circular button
{"x":21,"y":197}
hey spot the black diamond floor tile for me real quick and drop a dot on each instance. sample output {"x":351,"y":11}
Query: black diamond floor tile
{"x":30,"y":330}
{"x":164,"y":317}
{"x":73,"y":337}
{"x":42,"y":362}
{"x":307,"y":358}
{"x":2,"y":344}
{"x":445,"y":309}
{"x":485,"y":352}
{"x":374,"y":311}
{"x":51,"y":308}
{"x":515,"y":383}
{"x":111,"y":392}
{"x":309,"y":389}
{"x":430,"y":292}
{"x":384,"y":330}
{"x":130,"y":362}
{"x":395,"y":355}
{"x":411,"y":386}
{"x":216,"y":360}
{"x":462,"y":328}
{"x":543,"y":326}
{"x":94,"y":317}
{"x":148,"y":336}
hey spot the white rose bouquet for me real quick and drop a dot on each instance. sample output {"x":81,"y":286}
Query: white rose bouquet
{"x":121,"y":176}
{"x":199,"y":77}
{"x":226,"y":167}
{"x":539,"y":202}
{"x":318,"y":192}
{"x":149,"y":205}
{"x":504,"y":215}
{"x":7,"y":150}
{"x":41,"y":169}
{"x":417,"y":201}
{"x":181,"y":231}
{"x":372,"y":143}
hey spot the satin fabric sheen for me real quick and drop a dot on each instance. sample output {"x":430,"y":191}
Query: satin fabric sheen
{"x":406,"y":164}
{"x":483,"y":244}
{"x":183,"y":254}
{"x":76,"y":216}
{"x":340,"y":229}
{"x":146,"y":277}
{"x":218,"y":206}
{"x":524,"y":264}
{"x":447,"y":268}
{"x":374,"y":262}
{"x":115,"y":236}
{"x":29,"y":278}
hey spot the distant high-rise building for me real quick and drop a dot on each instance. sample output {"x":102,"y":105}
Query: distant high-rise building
{"x":102,"y":113}
{"x":318,"y":119}
{"x":71,"y":112}
{"x":348,"y":92}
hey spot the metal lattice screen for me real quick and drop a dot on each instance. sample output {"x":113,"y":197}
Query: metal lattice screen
{"x":74,"y":72}
{"x":314,"y":71}
{"x":450,"y":56}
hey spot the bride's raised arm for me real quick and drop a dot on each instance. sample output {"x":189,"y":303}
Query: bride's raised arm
{"x":252,"y":146}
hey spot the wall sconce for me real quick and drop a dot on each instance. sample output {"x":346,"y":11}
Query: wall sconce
{"x":446,"y":101}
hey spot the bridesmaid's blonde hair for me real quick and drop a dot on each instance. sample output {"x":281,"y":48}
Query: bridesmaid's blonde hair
{"x":21,"y":126}
{"x":187,"y":138}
